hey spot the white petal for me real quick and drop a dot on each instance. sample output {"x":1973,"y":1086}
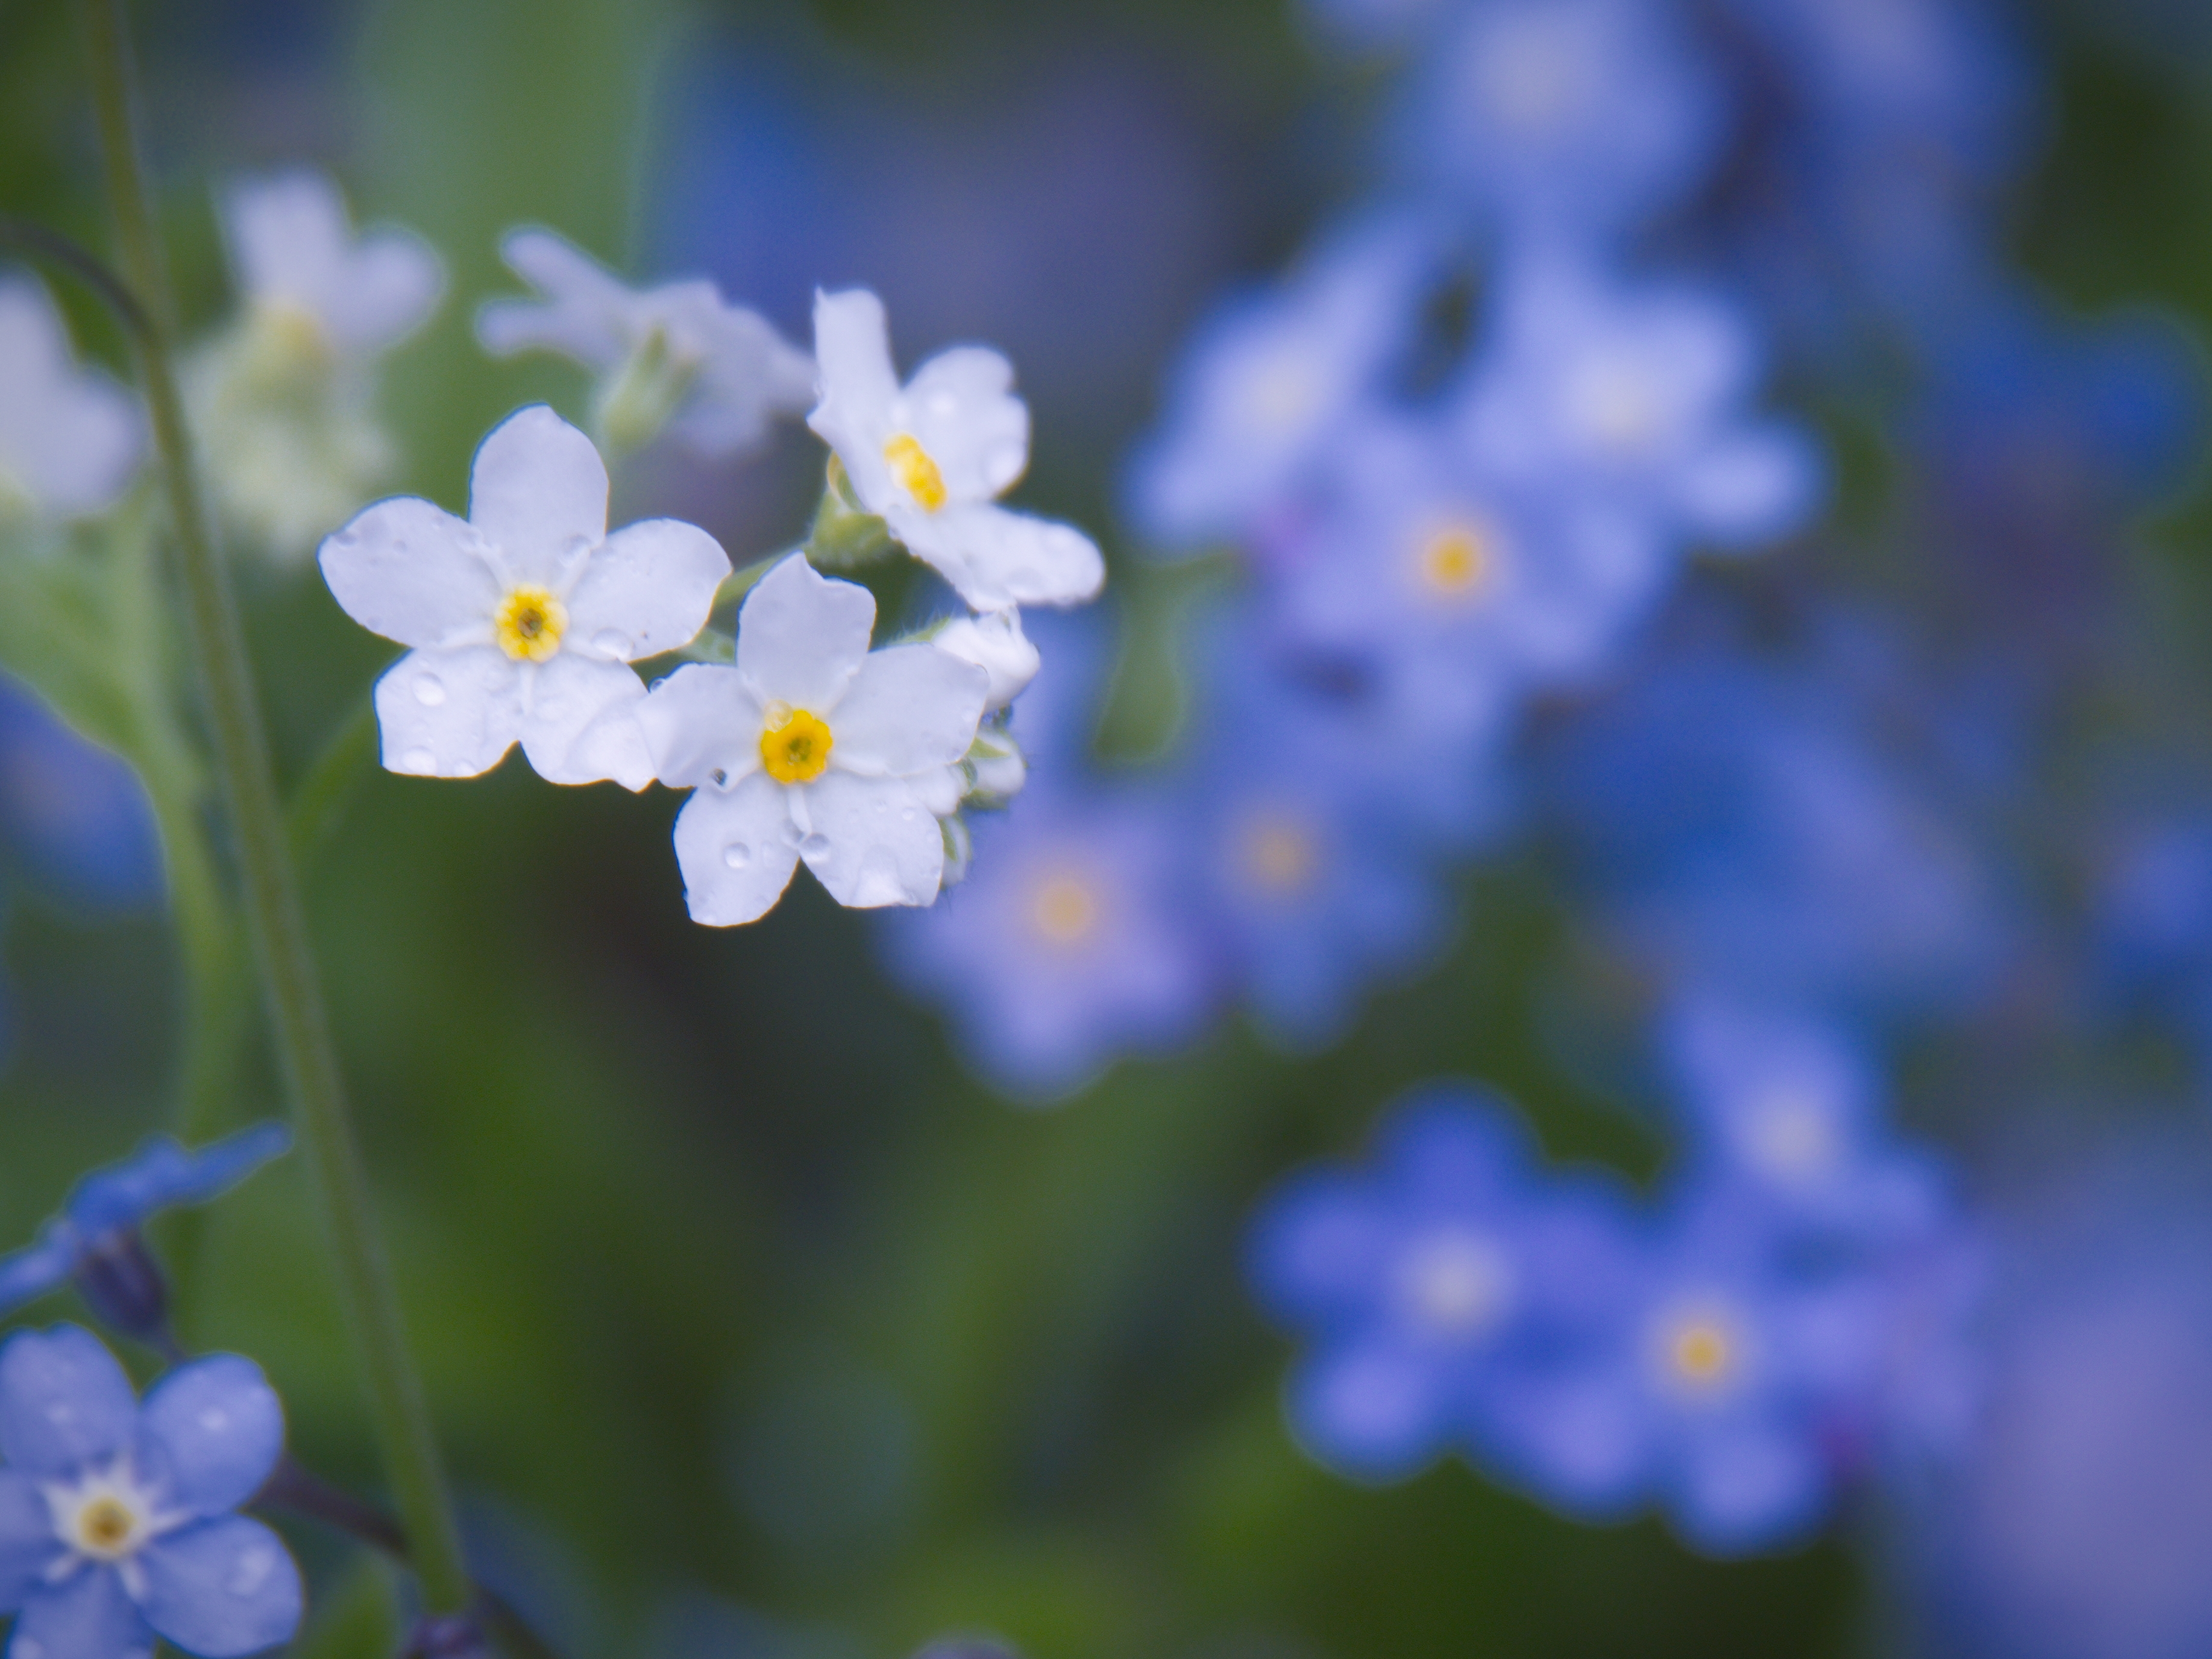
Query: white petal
{"x":996,"y":644}
{"x":568,"y":697}
{"x":961,"y":408}
{"x":701,"y":719}
{"x":802,"y":637}
{"x":873,"y":842}
{"x":392,"y":282}
{"x":750,"y":374}
{"x":585,"y":313}
{"x":647,"y":589}
{"x":449,"y":714}
{"x":910,"y":708}
{"x":538,"y":494}
{"x":287,"y":237}
{"x":995,"y":558}
{"x":853,"y":354}
{"x":411,"y":571}
{"x":735,"y":849}
{"x":70,"y":438}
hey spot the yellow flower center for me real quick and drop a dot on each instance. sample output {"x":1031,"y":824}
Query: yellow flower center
{"x":917,"y":474}
{"x":1064,"y":909}
{"x":1701,"y":1352}
{"x":1455,"y":561}
{"x":293,"y":333}
{"x":530,"y":622}
{"x":107,"y":1527}
{"x":794,"y":746}
{"x":1279,"y":855}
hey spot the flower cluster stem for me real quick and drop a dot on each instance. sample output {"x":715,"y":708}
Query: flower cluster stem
{"x":273,"y":914}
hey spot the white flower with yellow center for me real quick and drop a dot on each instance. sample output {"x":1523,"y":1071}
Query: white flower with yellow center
{"x":932,"y":457}
{"x":813,"y":747}
{"x":284,"y":398}
{"x":525,"y":618}
{"x":70,"y":439}
{"x":716,"y":373}
{"x":312,"y":283}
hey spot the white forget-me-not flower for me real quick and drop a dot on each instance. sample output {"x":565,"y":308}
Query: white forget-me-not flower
{"x":285,"y":397}
{"x":116,"y":1518}
{"x":931,"y":458}
{"x":305,"y":272}
{"x":525,"y":618}
{"x":813,"y":747}
{"x":69,"y":439}
{"x":717,"y":373}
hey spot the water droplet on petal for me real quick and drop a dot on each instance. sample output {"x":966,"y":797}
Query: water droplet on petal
{"x":719,"y":778}
{"x":907,"y":815}
{"x":429,"y":690}
{"x":418,"y":760}
{"x":613,"y":642}
{"x":814,"y":846}
{"x":737,"y":855}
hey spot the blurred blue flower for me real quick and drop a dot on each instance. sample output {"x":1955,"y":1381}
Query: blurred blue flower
{"x":115,"y":1518}
{"x":1789,"y":1106}
{"x":1561,"y":119}
{"x":1737,"y":825}
{"x":1722,"y":1388}
{"x":1434,"y":1286}
{"x":107,"y":1207}
{"x":1421,"y":560}
{"x":1311,"y":860}
{"x":1638,"y":398}
{"x":1267,"y":383}
{"x":1068,"y":946}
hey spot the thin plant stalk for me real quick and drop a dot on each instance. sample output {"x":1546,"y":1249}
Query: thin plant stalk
{"x":272,"y":903}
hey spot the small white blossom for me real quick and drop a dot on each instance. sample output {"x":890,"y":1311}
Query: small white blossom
{"x":932,"y":457}
{"x":302,"y":270}
{"x":284,"y":398}
{"x":70,"y":437}
{"x":525,"y":618}
{"x":813,"y":747}
{"x":725,"y":370}
{"x":995,"y":644}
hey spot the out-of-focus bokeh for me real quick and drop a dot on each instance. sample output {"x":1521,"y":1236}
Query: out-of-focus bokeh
{"x":1660,"y":1112}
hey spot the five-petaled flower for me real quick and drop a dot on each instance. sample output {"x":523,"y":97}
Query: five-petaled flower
{"x":525,"y":618}
{"x":931,"y":458}
{"x":813,"y":747}
{"x":116,"y":1518}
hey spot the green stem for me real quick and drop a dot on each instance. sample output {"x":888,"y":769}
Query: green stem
{"x":272,"y":904}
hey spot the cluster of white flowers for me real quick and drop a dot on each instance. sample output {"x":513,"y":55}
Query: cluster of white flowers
{"x":808,"y":745}
{"x":800,"y":741}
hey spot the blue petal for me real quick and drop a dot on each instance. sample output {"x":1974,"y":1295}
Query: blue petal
{"x":88,"y":1617}
{"x":27,"y":1543}
{"x":30,"y":1272}
{"x":211,"y":1432}
{"x":63,"y":1400}
{"x":161,"y":1173}
{"x":221,"y":1588}
{"x":1370,"y":1412}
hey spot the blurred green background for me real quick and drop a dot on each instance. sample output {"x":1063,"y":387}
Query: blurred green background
{"x":753,"y":1326}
